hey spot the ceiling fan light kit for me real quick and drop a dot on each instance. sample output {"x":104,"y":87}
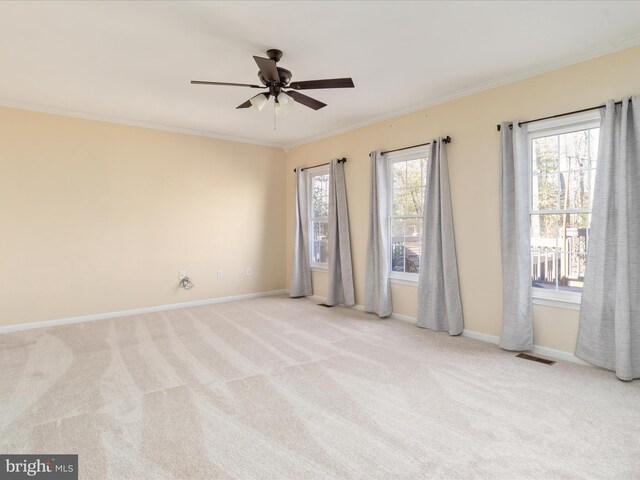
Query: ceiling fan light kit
{"x":283,"y":98}
{"x":283,"y":103}
{"x":276,"y":79}
{"x":259,"y":101}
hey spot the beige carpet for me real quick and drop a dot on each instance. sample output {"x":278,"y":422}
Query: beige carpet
{"x":274,"y":388}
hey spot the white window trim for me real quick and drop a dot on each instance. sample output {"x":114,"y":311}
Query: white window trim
{"x":401,"y":278}
{"x":310,"y":172}
{"x":558,"y":126}
{"x":556,"y":298}
{"x":404,"y":278}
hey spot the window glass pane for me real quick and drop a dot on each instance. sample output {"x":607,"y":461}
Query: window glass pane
{"x":413,"y":245}
{"x":316,"y":184}
{"x":414,"y":201}
{"x":544,"y":250}
{"x":559,"y":250}
{"x":563,"y":152}
{"x":398,"y":228}
{"x":579,"y":220}
{"x":544,"y":230}
{"x":406,"y":244}
{"x":576,"y":150}
{"x":414,"y":172}
{"x":545,"y":192}
{"x":399,"y":201}
{"x":399,"y":175}
{"x":579,"y":188}
{"x":545,"y":154}
{"x":320,"y":195}
{"x":319,"y":248}
{"x":397,"y":255}
{"x":319,"y":209}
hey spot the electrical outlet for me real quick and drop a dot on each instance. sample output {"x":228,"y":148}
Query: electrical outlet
{"x":183,"y":274}
{"x":249,"y":272}
{"x":220,"y":275}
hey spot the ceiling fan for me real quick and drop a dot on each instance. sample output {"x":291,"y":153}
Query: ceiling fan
{"x":276,"y":80}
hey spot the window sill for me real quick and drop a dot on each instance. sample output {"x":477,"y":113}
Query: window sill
{"x":319,"y":268}
{"x":567,"y":300}
{"x":410,"y":279}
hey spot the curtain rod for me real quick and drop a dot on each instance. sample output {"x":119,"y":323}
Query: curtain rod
{"x":446,"y":139}
{"x":559,"y":115}
{"x":340,"y":160}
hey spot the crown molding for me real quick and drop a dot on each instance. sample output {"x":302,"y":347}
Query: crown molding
{"x":629,"y":42}
{"x":131,"y":123}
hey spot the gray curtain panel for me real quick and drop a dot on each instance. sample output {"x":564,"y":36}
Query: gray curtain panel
{"x":377,"y":293}
{"x":609,"y":331}
{"x":517,"y":323}
{"x":301,"y":272}
{"x":340,"y":268}
{"x":439,"y":305}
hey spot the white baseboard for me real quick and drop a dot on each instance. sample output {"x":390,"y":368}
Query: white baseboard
{"x":558,"y":355}
{"x":134,"y":311}
{"x":404,"y":318}
{"x":551,"y":353}
{"x":484,"y":337}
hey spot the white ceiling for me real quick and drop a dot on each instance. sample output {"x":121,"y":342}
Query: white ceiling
{"x":132,"y":61}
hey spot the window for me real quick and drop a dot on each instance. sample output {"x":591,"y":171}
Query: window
{"x":562,"y":172}
{"x":318,"y":202}
{"x":407,"y":174}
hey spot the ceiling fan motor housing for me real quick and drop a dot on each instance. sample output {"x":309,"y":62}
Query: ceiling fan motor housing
{"x":283,"y":73}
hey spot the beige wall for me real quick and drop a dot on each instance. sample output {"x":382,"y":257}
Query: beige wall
{"x":96,"y":217}
{"x":474,"y":175}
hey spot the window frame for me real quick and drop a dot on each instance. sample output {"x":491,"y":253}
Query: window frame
{"x":310,"y":173}
{"x":415,"y":153}
{"x":556,"y":126}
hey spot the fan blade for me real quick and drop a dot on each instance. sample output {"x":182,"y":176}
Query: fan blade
{"x":268,"y":69}
{"x":200,"y":82}
{"x":304,"y":100}
{"x":328,"y":83}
